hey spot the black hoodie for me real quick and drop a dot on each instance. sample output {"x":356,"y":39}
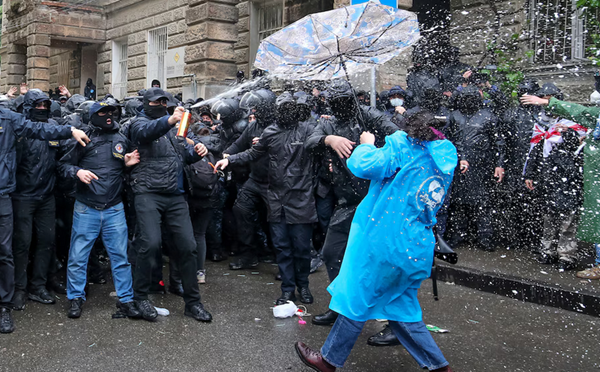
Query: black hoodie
{"x":90,"y":90}
{"x":36,"y":159}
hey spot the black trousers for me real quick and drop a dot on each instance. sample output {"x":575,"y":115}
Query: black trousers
{"x":173,"y":212}
{"x":463,"y":215}
{"x":30,"y":214}
{"x":64,"y":224}
{"x":292,"y":245}
{"x":249,"y":205}
{"x":200,"y":219}
{"x":7,"y":267}
{"x":333,"y":251}
{"x":325,"y":207}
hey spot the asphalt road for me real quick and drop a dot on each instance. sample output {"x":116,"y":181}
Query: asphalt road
{"x":487,"y":333}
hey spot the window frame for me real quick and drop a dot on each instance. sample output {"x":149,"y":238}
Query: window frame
{"x":156,"y":59}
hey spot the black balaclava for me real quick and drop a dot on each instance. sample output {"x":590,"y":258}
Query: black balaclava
{"x":343,"y":108}
{"x":287,"y":114}
{"x":39,"y":114}
{"x":101,"y":122}
{"x":154,"y":112}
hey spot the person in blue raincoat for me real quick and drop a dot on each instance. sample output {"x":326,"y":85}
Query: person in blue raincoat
{"x":391,"y":243}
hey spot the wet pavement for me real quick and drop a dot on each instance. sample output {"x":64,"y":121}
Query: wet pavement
{"x":523,"y":264}
{"x":487,"y":333}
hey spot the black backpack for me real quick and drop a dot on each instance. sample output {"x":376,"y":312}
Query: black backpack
{"x":203,"y":177}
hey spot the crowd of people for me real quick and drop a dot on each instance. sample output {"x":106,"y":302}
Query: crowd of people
{"x":269,"y":177}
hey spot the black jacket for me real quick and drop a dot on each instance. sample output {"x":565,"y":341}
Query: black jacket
{"x":290,"y":172}
{"x":104,"y":156}
{"x":259,"y":170}
{"x":349,"y":190}
{"x":162,"y":157}
{"x":517,"y":126}
{"x":36,"y":167}
{"x":90,"y":90}
{"x":13,"y":126}
{"x":478,"y":140}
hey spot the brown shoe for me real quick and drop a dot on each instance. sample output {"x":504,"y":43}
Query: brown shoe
{"x":591,"y":273}
{"x":313,"y":359}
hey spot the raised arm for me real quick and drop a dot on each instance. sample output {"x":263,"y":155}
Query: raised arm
{"x":372,"y":163}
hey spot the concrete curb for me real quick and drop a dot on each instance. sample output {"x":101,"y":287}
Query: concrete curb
{"x":585,"y":302}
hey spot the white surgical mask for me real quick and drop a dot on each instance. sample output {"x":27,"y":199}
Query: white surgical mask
{"x":397,"y":102}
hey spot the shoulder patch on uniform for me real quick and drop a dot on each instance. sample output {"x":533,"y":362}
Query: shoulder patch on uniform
{"x":119,"y":148}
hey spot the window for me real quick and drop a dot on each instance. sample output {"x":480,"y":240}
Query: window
{"x":266,"y":18}
{"x":270,"y":19}
{"x":157,"y":53}
{"x":119,"y":69}
{"x":557,"y":31}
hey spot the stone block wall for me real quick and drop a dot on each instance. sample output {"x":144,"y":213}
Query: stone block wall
{"x":132,"y":23}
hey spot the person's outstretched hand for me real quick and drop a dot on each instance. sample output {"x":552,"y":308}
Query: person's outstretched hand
{"x":533,"y":100}
{"x":341,"y":145}
{"x":367,"y":137}
{"x":80,"y":136}
{"x":132,"y":158}
{"x":221,"y":164}
{"x":64,"y":91}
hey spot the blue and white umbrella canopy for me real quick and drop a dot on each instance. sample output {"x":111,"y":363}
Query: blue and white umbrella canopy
{"x":319,"y":46}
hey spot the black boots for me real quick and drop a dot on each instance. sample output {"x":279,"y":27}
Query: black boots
{"x":326,"y":319}
{"x":285,"y":297}
{"x":305,"y":296}
{"x":384,"y":338}
{"x":243,"y":263}
{"x":129,"y":309}
{"x":42,"y":296}
{"x":75,"y":309}
{"x":19,"y":299}
{"x":147,"y":310}
{"x":6,"y":322}
{"x":199,"y":313}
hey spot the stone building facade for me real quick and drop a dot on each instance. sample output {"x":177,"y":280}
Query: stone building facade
{"x":197,"y":46}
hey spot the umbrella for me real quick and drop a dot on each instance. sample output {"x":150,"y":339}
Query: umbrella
{"x":337,"y":43}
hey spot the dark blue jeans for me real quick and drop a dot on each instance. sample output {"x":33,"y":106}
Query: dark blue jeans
{"x":414,"y":337}
{"x":88,"y":225}
{"x":292,"y":245}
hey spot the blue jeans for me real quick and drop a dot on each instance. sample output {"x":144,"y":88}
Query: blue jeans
{"x":88,"y":225}
{"x":414,"y":337}
{"x":597,"y":245}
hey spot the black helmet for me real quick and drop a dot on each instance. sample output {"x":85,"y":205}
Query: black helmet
{"x":549,"y":89}
{"x":339,"y":88}
{"x":528,"y":87}
{"x":257,"y":98}
{"x":84,"y":111}
{"x":227,"y":108}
